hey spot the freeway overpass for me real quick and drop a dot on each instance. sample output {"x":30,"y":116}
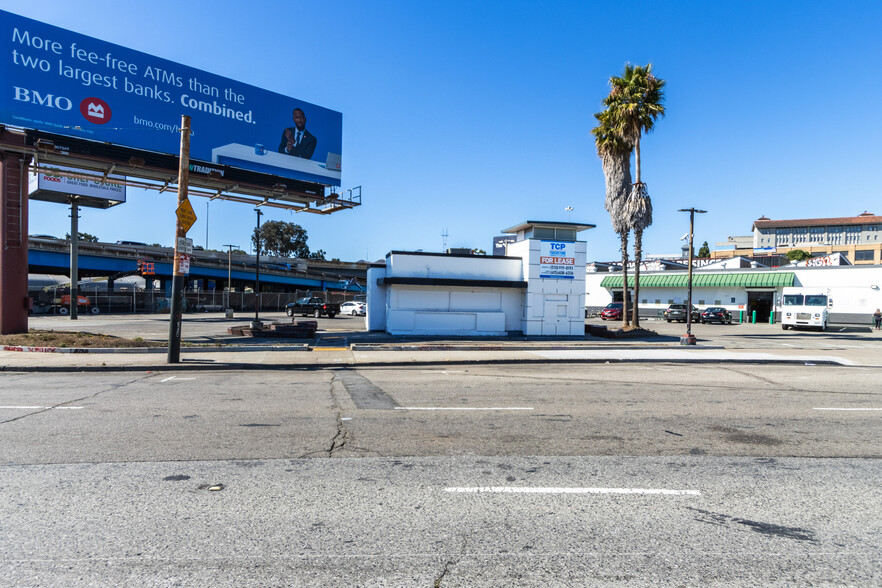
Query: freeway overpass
{"x":209,"y":270}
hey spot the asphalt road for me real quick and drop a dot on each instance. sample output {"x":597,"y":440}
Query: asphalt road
{"x":479,"y":475}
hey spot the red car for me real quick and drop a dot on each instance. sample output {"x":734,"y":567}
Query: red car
{"x":612,"y":311}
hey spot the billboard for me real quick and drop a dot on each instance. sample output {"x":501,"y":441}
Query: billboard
{"x":59,"y":187}
{"x":61,"y":82}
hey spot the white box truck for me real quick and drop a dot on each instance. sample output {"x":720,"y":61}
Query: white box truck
{"x":805,"y":307}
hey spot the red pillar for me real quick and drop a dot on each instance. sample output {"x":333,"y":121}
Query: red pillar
{"x":13,"y":243}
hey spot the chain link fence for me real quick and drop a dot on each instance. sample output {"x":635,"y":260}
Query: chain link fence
{"x":56,"y":301}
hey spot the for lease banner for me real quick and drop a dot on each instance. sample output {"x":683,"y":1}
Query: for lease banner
{"x":557,"y":259}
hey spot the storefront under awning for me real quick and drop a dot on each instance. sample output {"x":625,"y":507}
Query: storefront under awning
{"x":705,"y":280}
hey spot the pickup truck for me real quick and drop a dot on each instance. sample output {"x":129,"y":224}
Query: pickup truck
{"x":315,"y":306}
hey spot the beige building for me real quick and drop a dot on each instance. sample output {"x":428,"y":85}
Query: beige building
{"x":858,"y":237}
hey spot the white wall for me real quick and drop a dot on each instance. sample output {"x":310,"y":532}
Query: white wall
{"x":851,"y":287}
{"x":375,"y":316}
{"x":414,"y":265}
{"x":439,"y":310}
{"x":552,"y":306}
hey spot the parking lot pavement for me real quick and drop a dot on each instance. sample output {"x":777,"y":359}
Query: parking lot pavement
{"x":344,"y":341}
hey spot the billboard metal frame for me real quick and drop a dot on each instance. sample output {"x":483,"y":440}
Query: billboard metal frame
{"x":158,"y":171}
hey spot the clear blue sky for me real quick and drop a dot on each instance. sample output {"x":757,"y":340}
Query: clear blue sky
{"x":471,"y":116}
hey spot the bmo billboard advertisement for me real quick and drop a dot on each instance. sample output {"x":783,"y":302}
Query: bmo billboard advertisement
{"x":61,"y":82}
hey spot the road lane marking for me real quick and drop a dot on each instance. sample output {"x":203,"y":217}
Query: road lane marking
{"x":524,"y":490}
{"x":42,"y":407}
{"x":847,"y":409}
{"x":175,"y":378}
{"x":463,"y":408}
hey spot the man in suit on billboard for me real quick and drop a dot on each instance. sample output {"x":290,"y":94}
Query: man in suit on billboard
{"x":296,"y":140}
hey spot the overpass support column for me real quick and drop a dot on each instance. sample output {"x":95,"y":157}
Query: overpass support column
{"x":13,"y":243}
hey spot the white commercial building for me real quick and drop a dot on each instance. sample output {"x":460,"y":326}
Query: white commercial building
{"x":854,"y":290}
{"x":537,"y":288}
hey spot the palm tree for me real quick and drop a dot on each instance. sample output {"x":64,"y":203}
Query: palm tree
{"x":615,"y":157}
{"x":638,"y":210}
{"x":634,"y":103}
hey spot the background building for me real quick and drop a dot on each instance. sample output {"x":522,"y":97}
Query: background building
{"x":857,"y":237}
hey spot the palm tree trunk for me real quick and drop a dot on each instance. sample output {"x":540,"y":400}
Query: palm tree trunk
{"x":624,"y":236}
{"x":637,"y":158}
{"x":638,"y":240}
{"x":638,"y":254}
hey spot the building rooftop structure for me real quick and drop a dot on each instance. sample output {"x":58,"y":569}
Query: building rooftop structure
{"x":858,"y":238}
{"x":865,"y":218}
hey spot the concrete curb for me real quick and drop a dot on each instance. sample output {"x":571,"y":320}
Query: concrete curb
{"x":538,"y":347}
{"x":184,"y":349}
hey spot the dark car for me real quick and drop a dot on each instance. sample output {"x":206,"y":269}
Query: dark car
{"x":677,"y":312}
{"x":315,"y":306}
{"x":716,"y":314}
{"x":612,"y":311}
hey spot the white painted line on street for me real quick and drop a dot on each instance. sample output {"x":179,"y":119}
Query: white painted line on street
{"x":463,"y":408}
{"x":847,"y":409}
{"x":42,"y":407}
{"x":175,"y":378}
{"x":519,"y":490}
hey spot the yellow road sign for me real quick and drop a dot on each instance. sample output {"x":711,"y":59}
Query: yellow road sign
{"x":185,"y":213}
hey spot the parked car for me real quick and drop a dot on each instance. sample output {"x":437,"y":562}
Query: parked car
{"x":353,"y":307}
{"x":716,"y":314}
{"x":612,"y":311}
{"x":677,"y":312}
{"x":315,"y":306}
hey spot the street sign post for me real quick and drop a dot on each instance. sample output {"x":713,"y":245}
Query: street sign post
{"x":185,"y":214}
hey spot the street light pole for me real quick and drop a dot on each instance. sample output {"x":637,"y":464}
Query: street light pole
{"x":689,"y":339}
{"x":256,"y":322}
{"x":229,"y":271}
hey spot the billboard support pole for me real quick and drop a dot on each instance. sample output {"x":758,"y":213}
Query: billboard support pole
{"x":175,"y":311}
{"x":13,"y":243}
{"x":74,"y":258}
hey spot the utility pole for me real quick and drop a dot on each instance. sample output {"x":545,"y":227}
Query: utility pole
{"x":74,"y":257}
{"x":256,"y":324}
{"x":177,"y":294}
{"x":229,"y":272}
{"x":689,"y":338}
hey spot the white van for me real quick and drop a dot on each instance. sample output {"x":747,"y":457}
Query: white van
{"x":805,"y":307}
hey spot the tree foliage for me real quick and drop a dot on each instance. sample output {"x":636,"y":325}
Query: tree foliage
{"x":83,"y":237}
{"x":283,"y":240}
{"x":704,"y":251}
{"x":798,"y":255}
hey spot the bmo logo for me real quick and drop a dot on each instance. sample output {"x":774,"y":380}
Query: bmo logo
{"x":45,"y":100}
{"x":95,"y":110}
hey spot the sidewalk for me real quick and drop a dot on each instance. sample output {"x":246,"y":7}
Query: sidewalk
{"x":342,"y":343}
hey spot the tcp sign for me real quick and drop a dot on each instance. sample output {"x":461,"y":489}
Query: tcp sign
{"x":557,"y":259}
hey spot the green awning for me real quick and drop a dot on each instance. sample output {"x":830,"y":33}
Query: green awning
{"x":703,"y":280}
